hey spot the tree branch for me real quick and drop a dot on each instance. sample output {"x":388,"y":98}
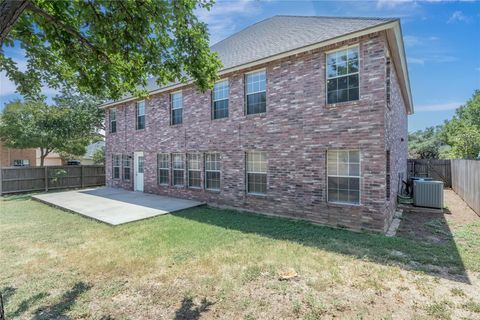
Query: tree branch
{"x":10,"y":11}
{"x":54,"y":20}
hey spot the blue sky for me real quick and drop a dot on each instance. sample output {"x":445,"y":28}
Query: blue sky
{"x":442,"y":40}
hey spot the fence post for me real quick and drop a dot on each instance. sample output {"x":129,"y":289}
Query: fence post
{"x":1,"y":178}
{"x":82,"y":175}
{"x":46,"y":178}
{"x":2,"y":311}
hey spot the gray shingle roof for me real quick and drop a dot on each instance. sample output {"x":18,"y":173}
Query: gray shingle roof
{"x":280,"y":34}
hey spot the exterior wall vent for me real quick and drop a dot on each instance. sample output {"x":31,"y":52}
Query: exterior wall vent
{"x":428,"y":194}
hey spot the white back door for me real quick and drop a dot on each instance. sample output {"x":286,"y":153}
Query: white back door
{"x":138,"y":164}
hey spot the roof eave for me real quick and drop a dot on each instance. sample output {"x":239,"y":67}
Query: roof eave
{"x":395,"y":40}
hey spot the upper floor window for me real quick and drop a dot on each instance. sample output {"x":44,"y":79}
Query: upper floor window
{"x":220,"y":100}
{"x":112,"y":115}
{"x":176,"y":101}
{"x":342,"y":75}
{"x":140,"y":112}
{"x":343,"y":172}
{"x":255,"y":91}
{"x":257,"y":172}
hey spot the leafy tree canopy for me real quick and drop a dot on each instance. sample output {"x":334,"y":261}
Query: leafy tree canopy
{"x":98,"y":156}
{"x":65,"y":128}
{"x":463,"y":131}
{"x":426,"y":144}
{"x":456,"y":138}
{"x":106,"y":48}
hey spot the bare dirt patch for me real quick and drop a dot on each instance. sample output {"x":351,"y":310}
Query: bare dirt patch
{"x":434,"y":226}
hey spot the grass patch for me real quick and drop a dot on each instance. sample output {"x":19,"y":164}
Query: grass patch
{"x":439,"y":310}
{"x":207,"y":262}
{"x":472,"y":306}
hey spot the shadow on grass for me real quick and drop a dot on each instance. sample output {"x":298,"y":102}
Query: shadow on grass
{"x":17,"y":197}
{"x":7,"y":293}
{"x":67,"y":300}
{"x":441,"y":260}
{"x":189,"y":311}
{"x":25,"y":304}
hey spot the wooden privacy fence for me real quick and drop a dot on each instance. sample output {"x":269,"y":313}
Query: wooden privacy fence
{"x":27,"y":179}
{"x":466,"y":182}
{"x":436,"y":169}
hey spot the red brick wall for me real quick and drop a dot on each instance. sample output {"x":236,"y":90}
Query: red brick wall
{"x":296,"y":131}
{"x":7,"y":155}
{"x":396,"y":140}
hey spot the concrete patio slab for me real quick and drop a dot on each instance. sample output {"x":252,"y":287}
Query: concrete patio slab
{"x":115,"y":206}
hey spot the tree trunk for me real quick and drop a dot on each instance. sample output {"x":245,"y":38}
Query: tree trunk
{"x":10,"y":11}
{"x":43,"y":154}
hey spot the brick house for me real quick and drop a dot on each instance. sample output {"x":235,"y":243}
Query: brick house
{"x":10,"y":157}
{"x":308,"y":120}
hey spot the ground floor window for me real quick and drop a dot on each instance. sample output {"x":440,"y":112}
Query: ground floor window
{"x":163,"y":169}
{"x":212,"y":171}
{"x":343,"y":172}
{"x":257,"y":172}
{"x":127,"y":160}
{"x":178,"y":164}
{"x":21,"y":163}
{"x":194,"y":170}
{"x":116,"y":166}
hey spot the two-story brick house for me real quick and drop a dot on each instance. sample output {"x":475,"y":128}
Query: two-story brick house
{"x":308,"y":120}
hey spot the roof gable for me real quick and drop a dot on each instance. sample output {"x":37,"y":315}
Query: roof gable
{"x":281,"y":34}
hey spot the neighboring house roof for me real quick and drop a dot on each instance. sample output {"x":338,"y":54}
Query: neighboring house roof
{"x":91,"y":148}
{"x":281,"y":36}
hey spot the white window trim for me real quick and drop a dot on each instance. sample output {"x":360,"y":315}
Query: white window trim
{"x":137,"y":108}
{"x":228,"y":89}
{"x":343,"y":176}
{"x":357,"y":45}
{"x":119,"y":166}
{"x":246,"y":74}
{"x":255,"y":172}
{"x":220,"y":171}
{"x":212,"y":109}
{"x":114,"y":111}
{"x":126,"y":159}
{"x":163,"y":168}
{"x":171,"y":99}
{"x":195,"y":170}
{"x":171,"y":107}
{"x":22,"y":163}
{"x":137,"y":114}
{"x":173,"y":170}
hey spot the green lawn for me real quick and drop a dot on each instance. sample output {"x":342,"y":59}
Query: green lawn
{"x":211,"y":263}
